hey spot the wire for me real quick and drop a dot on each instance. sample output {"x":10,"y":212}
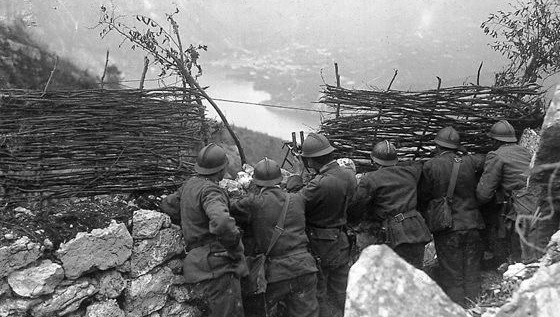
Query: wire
{"x":267,"y":105}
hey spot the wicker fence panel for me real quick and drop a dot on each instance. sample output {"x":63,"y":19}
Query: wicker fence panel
{"x":89,"y":142}
{"x":411,"y":119}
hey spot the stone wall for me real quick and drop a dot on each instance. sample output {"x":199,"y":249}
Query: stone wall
{"x":107,"y":272}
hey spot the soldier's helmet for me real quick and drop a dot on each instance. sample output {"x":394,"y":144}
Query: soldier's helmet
{"x":503,"y":131}
{"x":210,"y":160}
{"x":384,"y":153}
{"x":316,"y":145}
{"x":448,"y":138}
{"x":267,"y":173}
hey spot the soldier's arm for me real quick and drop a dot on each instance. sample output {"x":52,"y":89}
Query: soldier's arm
{"x":171,"y":205}
{"x":242,"y":210}
{"x":490,"y":179}
{"x":215,"y":205}
{"x":311,"y":194}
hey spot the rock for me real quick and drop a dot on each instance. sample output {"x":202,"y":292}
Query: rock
{"x":382,"y":284}
{"x":147,"y":254}
{"x":110,"y":284}
{"x":537,"y":296}
{"x":4,"y":287}
{"x":175,"y":309}
{"x":146,"y":223}
{"x":16,"y":307}
{"x":108,"y":308}
{"x":37,"y":280}
{"x":101,"y":249}
{"x":176,"y":265}
{"x":530,"y":140}
{"x":552,"y":254}
{"x":18,"y":254}
{"x":185,"y":293}
{"x":147,"y":293}
{"x":66,"y":298}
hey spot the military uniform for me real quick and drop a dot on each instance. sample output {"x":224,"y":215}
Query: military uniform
{"x":326,"y":198}
{"x":290,"y":269}
{"x":214,"y":260}
{"x":505,"y":171}
{"x":459,"y":249}
{"x":388,"y":196}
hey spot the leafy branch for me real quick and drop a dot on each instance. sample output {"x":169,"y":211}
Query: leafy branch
{"x":166,"y":48}
{"x":529,"y":36}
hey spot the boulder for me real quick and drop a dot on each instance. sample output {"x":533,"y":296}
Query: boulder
{"x":66,"y":298}
{"x":380,"y":283}
{"x":552,"y":254}
{"x":175,"y":309}
{"x":17,"y":255}
{"x":110,"y":284}
{"x":537,"y":296}
{"x":147,"y":293}
{"x":147,"y":223}
{"x":16,"y":307}
{"x":108,"y":308}
{"x":149,"y":253}
{"x":37,"y":280}
{"x":101,"y":249}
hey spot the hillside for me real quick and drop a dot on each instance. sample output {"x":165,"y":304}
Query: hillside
{"x":26,"y":65}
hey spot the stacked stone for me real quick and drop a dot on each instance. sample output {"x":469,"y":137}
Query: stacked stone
{"x":107,"y":272}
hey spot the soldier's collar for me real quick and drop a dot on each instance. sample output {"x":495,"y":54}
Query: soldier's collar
{"x":328,"y":166}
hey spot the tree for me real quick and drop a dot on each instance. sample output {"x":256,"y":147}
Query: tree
{"x":529,"y":36}
{"x":167,"y":49}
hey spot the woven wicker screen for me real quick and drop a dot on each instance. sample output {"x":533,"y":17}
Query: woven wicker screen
{"x":89,"y":142}
{"x":411,"y":119}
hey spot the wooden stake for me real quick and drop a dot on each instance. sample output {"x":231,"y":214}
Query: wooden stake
{"x":478,"y":74}
{"x":105,"y":68}
{"x":337,"y":85}
{"x":146,"y":62}
{"x":50,"y":76}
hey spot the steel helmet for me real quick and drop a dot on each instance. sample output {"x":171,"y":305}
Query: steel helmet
{"x":316,"y":145}
{"x":503,"y":131}
{"x":267,"y":173}
{"x":384,"y":153}
{"x":211,"y":159}
{"x":448,"y":138}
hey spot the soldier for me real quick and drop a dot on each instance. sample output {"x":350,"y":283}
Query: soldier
{"x":326,"y":198}
{"x":214,"y":261}
{"x":459,"y":246}
{"x":290,"y":268}
{"x":505,"y":172}
{"x":388,"y":196}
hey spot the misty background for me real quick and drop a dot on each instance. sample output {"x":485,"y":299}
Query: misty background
{"x":280,"y":52}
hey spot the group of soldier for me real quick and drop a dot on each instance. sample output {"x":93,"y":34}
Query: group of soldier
{"x":303,"y":228}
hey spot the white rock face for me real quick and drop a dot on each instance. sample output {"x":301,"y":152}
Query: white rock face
{"x":382,"y":284}
{"x":101,"y":249}
{"x":37,"y":280}
{"x":148,"y":293}
{"x":66,"y":298}
{"x":538,"y":296}
{"x":147,"y":223}
{"x":149,"y":253}
{"x":19,"y":254}
{"x":108,"y":308}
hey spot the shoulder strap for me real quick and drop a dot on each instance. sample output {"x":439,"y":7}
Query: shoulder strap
{"x":453,"y":179}
{"x":279,"y":228}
